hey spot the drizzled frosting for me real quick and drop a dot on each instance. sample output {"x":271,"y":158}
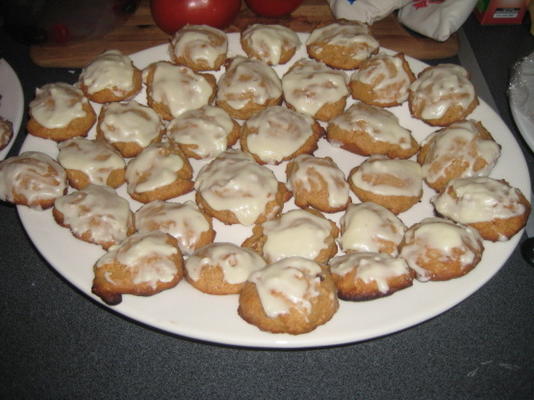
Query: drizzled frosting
{"x":380,"y":124}
{"x":111,"y":70}
{"x":98,"y":211}
{"x":206,"y":128}
{"x":277,"y":132}
{"x":310,"y":84}
{"x":199,"y":43}
{"x":269,"y":42}
{"x":94,"y":158}
{"x":388,"y":177}
{"x":130,"y":122}
{"x":311,"y":171}
{"x":33,"y":175}
{"x":291,"y":282}
{"x":295,"y":233}
{"x":246,"y":81}
{"x":177,"y":87}
{"x":147,"y":256}
{"x":368,"y":227}
{"x":184,"y":221}
{"x":235,"y":182}
{"x":370,"y":267}
{"x":236,"y":263}
{"x":440,"y":87}
{"x":57,"y":104}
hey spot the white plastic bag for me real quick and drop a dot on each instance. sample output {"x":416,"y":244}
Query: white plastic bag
{"x":367,"y":11}
{"x":437,"y":19}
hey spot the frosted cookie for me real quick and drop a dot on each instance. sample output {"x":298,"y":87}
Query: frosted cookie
{"x":32,"y":179}
{"x":494,"y":208}
{"x":462,"y":150}
{"x":200,"y":47}
{"x":111,"y":76}
{"x":129,"y":127}
{"x":367,"y":276}
{"x":236,"y":190}
{"x":247,"y":87}
{"x":343,"y":44}
{"x":297,"y":232}
{"x":143,"y":264}
{"x":184,"y":221}
{"x":369,"y":227}
{"x":278,"y":134}
{"x":91,"y":161}
{"x":318,"y":183}
{"x":367,"y":130}
{"x":438,"y":249}
{"x":174,"y":89}
{"x":59,"y":112}
{"x":159,"y":172}
{"x":382,"y":80}
{"x":394,"y":184}
{"x":95,"y":214}
{"x":312,"y":88}
{"x":203,"y":133}
{"x":294,"y":295}
{"x":6,"y":132}
{"x":221,"y":268}
{"x":273,"y":44}
{"x":442,"y":94}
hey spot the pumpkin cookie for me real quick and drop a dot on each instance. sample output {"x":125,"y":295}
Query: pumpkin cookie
{"x":273,"y":44}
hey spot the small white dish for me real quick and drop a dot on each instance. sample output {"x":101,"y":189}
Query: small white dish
{"x":521,"y":93}
{"x":11,"y":102}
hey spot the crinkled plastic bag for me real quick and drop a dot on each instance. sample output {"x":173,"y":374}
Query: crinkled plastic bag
{"x":367,"y":11}
{"x":437,"y":19}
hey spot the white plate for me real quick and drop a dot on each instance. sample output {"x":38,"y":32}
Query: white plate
{"x":521,"y":93}
{"x":188,"y":312}
{"x":12,"y":101}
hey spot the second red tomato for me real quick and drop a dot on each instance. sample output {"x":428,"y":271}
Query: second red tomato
{"x":273,"y":8}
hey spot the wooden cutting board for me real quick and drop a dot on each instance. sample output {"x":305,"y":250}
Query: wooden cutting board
{"x":139,"y":32}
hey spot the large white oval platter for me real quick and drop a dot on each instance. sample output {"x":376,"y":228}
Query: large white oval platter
{"x":185,"y":311}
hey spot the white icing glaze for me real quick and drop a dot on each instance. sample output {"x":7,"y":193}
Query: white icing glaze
{"x":370,"y":267}
{"x":235,"y":182}
{"x":440,"y":87}
{"x":147,"y":255}
{"x":206,"y":128}
{"x":199,"y":43}
{"x":248,"y":80}
{"x":386,"y":74}
{"x":295,"y":233}
{"x":110,"y":70}
{"x":97,"y":210}
{"x":94,"y":158}
{"x":178,"y":87}
{"x":270,"y":41}
{"x":355,"y":36}
{"x":329,"y":172}
{"x":57,"y":104}
{"x":478,"y":199}
{"x":184,"y":221}
{"x":380,"y":124}
{"x":365,"y":226}
{"x":459,"y":141}
{"x":236,"y":263}
{"x":439,"y":235}
{"x":291,"y":282}
{"x":406,"y":174}
{"x":154,"y":167}
{"x":34,"y":175}
{"x":278,"y":133}
{"x":130,"y":122}
{"x":310,"y":84}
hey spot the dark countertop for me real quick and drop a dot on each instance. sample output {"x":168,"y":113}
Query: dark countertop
{"x":55,"y":343}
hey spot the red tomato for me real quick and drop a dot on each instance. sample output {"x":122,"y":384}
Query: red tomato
{"x":171,"y":15}
{"x":273,"y":8}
